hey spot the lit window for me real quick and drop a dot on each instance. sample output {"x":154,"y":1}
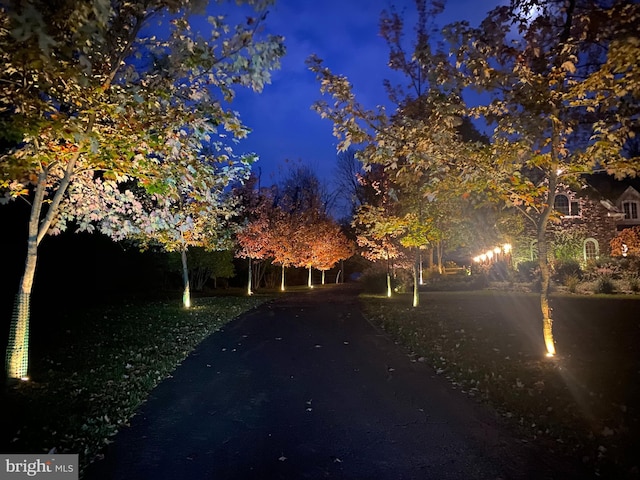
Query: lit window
{"x":630,"y":210}
{"x":590,"y":249}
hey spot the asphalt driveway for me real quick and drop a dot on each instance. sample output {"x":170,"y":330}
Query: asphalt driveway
{"x":306,"y":388}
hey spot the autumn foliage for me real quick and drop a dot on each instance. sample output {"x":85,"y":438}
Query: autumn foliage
{"x":629,"y":237}
{"x":291,"y":230}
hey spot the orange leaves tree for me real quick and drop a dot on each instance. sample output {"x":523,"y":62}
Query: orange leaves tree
{"x":627,"y":243}
{"x":253,"y":237}
{"x":289,"y":225}
{"x":323,"y":246}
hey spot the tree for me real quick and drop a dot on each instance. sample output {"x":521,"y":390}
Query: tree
{"x":85,"y":100}
{"x":254,"y":237}
{"x":419,"y":144}
{"x":377,"y":234}
{"x":627,"y":243}
{"x":205,"y":265}
{"x":548,"y":67}
{"x":333,"y":247}
{"x":349,"y":171}
{"x":323,"y":245}
{"x":302,"y":205}
{"x":195,"y":209}
{"x":284,"y":237}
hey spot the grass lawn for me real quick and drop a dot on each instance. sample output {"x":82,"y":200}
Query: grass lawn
{"x":97,"y":365}
{"x":584,"y":402}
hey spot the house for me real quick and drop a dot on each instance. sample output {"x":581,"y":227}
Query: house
{"x":590,"y":218}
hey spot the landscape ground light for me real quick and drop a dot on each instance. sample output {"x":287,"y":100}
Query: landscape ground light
{"x":493,"y":252}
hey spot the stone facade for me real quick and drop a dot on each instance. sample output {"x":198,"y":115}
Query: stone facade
{"x":590,"y":220}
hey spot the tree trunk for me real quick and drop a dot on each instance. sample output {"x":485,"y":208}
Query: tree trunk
{"x":388,"y":276}
{"x":249,"y":291}
{"x":18,"y":344}
{"x":439,"y":253}
{"x":421,"y":279}
{"x":338,"y":276}
{"x":257,"y":274}
{"x":186,"y":295}
{"x":545,"y":278}
{"x":17,"y":360}
{"x":430,"y":259}
{"x":543,"y":257}
{"x":309,"y":282}
{"x":282,"y":279}
{"x":388,"y":284}
{"x":416,"y":295}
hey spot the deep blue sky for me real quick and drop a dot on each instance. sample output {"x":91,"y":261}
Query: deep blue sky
{"x":345,"y":34}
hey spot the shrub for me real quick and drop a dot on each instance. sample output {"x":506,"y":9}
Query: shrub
{"x":605,"y":284}
{"x":499,"y":271}
{"x":571,"y":282}
{"x":606,"y":267}
{"x":566,"y":268}
{"x":567,"y":244}
{"x":402,"y":281}
{"x":453,"y":283}
{"x":374,"y":281}
{"x":630,"y":265}
{"x":629,"y":237}
{"x":528,"y":271}
{"x":634,"y":283}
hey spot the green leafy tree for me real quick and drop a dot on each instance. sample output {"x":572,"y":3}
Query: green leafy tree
{"x":88,"y":96}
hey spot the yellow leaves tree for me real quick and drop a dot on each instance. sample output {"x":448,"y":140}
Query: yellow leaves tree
{"x":88,"y":94}
{"x":549,"y":68}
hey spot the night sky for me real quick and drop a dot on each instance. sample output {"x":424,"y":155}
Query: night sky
{"x":344,"y":33}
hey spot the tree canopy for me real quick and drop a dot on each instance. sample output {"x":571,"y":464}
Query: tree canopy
{"x":93,"y":98}
{"x":560,"y":80}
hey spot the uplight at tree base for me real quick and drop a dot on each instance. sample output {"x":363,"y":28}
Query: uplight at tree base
{"x":186,"y":299}
{"x":551,"y":349}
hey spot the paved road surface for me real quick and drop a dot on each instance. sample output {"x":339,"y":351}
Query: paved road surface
{"x":306,"y":388}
